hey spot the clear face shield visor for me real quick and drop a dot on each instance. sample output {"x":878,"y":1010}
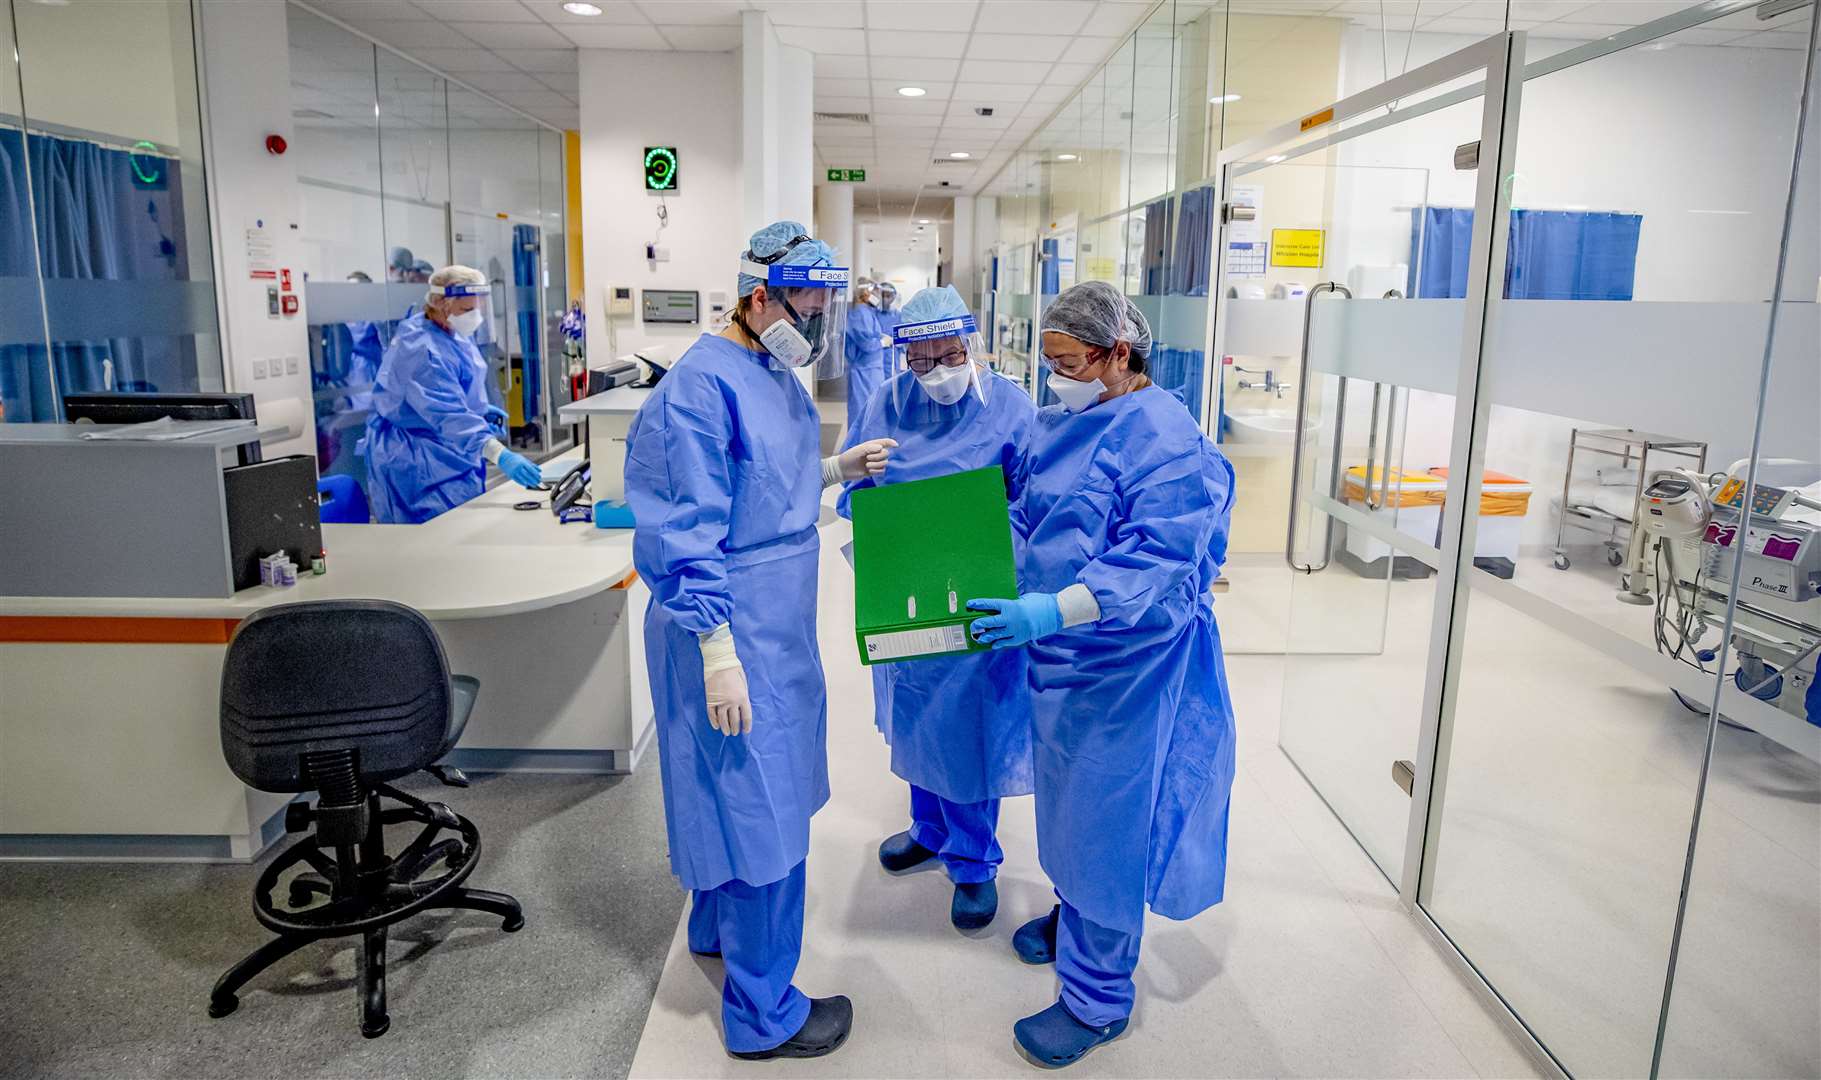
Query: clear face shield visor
{"x":813,"y":330}
{"x":466,"y":309}
{"x":937,"y":364}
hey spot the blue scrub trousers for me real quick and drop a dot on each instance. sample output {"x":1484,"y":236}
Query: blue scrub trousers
{"x":961,"y":835}
{"x":758,"y":930}
{"x":1095,"y":964}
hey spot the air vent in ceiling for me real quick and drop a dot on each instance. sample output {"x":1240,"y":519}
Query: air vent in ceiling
{"x":970,"y":163}
{"x":856,"y":117}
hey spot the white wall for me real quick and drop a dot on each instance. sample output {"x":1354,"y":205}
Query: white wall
{"x":700,"y":116}
{"x":908,"y":268}
{"x":248,"y":86}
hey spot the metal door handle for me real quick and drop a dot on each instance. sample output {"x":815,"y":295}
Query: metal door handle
{"x":1302,"y":417}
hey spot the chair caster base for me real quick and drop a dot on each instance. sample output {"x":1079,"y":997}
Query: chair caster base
{"x":374,"y":1031}
{"x":513,"y":925}
{"x":222,"y":1006}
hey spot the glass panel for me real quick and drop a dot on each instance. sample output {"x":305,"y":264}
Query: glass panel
{"x":1648,"y":192}
{"x":496,"y":208}
{"x":116,"y":174}
{"x":414,"y":161}
{"x":341,"y":225}
{"x":26,"y":391}
{"x":553,"y":208}
{"x":1280,"y":67}
{"x":1746,"y":990}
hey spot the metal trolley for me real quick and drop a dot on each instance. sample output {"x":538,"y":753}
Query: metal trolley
{"x":1631,"y":448}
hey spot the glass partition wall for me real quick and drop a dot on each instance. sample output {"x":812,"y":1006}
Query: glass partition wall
{"x":106,"y":275}
{"x":1520,"y":360}
{"x":401,"y":172}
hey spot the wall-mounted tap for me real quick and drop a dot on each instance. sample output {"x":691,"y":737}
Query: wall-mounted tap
{"x":1271,"y":385}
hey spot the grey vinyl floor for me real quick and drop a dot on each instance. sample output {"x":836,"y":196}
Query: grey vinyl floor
{"x":107,"y":967}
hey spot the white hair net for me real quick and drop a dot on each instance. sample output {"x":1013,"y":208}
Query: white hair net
{"x":1099,"y":314}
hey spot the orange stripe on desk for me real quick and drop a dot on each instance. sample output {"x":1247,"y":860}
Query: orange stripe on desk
{"x":73,"y":629}
{"x":626,"y":582}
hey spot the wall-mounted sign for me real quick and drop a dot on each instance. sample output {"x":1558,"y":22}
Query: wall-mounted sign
{"x":661,"y":168}
{"x":852,"y":176}
{"x":1296,"y":247}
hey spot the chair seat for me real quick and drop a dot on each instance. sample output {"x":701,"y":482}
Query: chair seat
{"x":464,"y":689}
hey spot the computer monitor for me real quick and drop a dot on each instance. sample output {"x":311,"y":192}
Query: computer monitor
{"x":107,"y":407}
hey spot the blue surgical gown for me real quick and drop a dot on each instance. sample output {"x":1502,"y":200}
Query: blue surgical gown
{"x":959,"y":726}
{"x":1133,"y":724}
{"x":428,"y":425}
{"x":724,"y":478}
{"x":866,"y":358}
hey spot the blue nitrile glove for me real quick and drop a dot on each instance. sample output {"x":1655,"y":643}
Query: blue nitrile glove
{"x":496,"y":416}
{"x":1016,"y":622}
{"x":520,"y":469}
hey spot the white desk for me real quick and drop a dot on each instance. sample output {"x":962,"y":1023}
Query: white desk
{"x":110,"y":741}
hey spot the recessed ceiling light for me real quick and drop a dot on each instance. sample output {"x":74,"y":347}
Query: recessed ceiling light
{"x":575,"y":7}
{"x":911,"y":91}
{"x":923,"y":221}
{"x":1223,"y":99}
{"x":1066,"y":157}
{"x":959,"y":154}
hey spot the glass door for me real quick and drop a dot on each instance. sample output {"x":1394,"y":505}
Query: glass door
{"x":1338,"y":394}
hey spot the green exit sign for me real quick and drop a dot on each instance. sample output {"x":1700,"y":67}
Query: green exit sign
{"x":850,"y":175}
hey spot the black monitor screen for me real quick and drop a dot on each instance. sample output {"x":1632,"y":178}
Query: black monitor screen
{"x":109,"y":408}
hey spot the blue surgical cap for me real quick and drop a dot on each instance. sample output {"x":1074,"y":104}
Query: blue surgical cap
{"x":1099,"y":314}
{"x":933,"y":313}
{"x":772,"y":245}
{"x":402,"y":258}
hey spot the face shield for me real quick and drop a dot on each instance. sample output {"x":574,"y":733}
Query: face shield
{"x":813,"y":303}
{"x":943,"y":359}
{"x":467,"y":309}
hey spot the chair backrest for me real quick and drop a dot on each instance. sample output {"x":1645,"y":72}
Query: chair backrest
{"x":343,"y":502}
{"x":333,"y":675}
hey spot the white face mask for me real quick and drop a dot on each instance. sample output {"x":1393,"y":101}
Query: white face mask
{"x":947,"y":385}
{"x":786,"y":344}
{"x":1076,"y":396}
{"x":466,"y":323}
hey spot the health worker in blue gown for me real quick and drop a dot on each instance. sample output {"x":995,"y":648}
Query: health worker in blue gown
{"x":889,"y":315}
{"x":959,"y":727}
{"x":433,"y":429}
{"x":1124,"y":511}
{"x":724,"y":478}
{"x":868,"y":350}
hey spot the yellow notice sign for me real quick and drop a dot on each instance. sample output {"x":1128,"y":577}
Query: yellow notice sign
{"x":1296,"y":247}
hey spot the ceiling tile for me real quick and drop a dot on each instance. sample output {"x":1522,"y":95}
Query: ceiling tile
{"x":495,"y":81}
{"x":844,"y":67}
{"x":528,"y":35}
{"x":702,"y":38}
{"x":1070,"y":74}
{"x":1016,"y":47}
{"x":616,"y":37}
{"x":888,"y":102}
{"x":539,"y":61}
{"x":843,"y":88}
{"x":1089,"y":50}
{"x":950,"y":15}
{"x":843,"y":104}
{"x":461,"y":61}
{"x":917,"y":70}
{"x":477,"y":10}
{"x":613,"y":12}
{"x":998,"y":94}
{"x":1018,"y":16}
{"x":1051,"y":95}
{"x":693,"y":12}
{"x":1004,"y":71}
{"x":827,"y":14}
{"x":369,"y":10}
{"x":1471,"y":27}
{"x":538,"y":99}
{"x":567,"y":83}
{"x":824,"y":40}
{"x":915,"y":43}
{"x":1122,"y":18}
{"x":412,"y":35}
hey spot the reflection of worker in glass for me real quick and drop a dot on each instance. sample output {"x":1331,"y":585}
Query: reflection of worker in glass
{"x":433,"y":427}
{"x":399,"y":263}
{"x":366,"y":350}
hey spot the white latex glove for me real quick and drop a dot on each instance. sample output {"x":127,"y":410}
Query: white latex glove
{"x":866,"y":459}
{"x":885,"y":341}
{"x":729,"y":705}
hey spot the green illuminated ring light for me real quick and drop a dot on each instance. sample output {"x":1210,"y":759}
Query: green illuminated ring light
{"x":660,"y":168}
{"x":144,"y":176}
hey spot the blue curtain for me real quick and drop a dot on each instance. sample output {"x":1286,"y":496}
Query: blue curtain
{"x":526,"y":271}
{"x":1051,"y":282}
{"x":25,"y":384}
{"x":1179,"y":371}
{"x":1194,"y":242}
{"x":1156,"y":246}
{"x":100,"y":215}
{"x":1553,"y":254}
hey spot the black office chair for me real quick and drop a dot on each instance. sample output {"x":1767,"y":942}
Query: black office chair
{"x":339,"y":697}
